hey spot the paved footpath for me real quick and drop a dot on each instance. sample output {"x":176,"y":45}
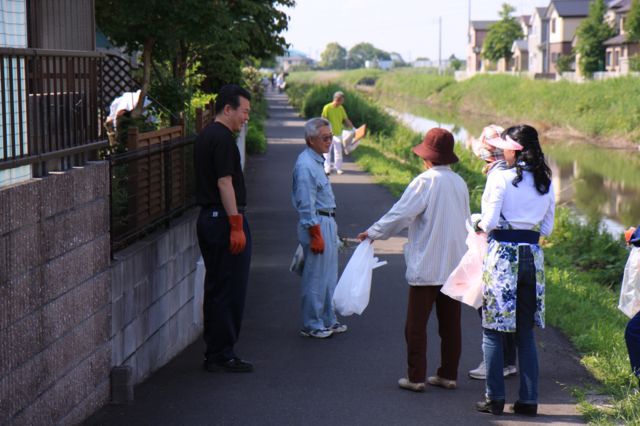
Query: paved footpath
{"x":351,"y":378}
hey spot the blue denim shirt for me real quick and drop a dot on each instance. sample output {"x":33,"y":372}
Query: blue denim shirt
{"x":311,"y":189}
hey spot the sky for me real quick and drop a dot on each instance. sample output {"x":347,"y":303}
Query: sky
{"x":408,"y":27}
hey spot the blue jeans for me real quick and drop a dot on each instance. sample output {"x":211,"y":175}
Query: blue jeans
{"x":632,"y":338}
{"x":319,"y":277}
{"x":492,"y":340}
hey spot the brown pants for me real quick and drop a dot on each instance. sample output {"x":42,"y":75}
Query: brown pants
{"x":421,"y":301}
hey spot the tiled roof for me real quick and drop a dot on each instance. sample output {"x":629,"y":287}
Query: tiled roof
{"x":521,"y":45}
{"x":482,"y":25}
{"x":617,"y":40}
{"x":571,"y":8}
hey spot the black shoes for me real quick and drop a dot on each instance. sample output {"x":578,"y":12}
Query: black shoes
{"x":233,"y":365}
{"x":495,"y":407}
{"x":525,"y":409}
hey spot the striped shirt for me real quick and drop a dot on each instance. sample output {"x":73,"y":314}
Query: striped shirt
{"x":434,"y":207}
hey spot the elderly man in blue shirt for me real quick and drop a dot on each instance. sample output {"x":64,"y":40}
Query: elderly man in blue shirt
{"x":313,"y":198}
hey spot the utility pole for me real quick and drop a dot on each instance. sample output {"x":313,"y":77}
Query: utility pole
{"x":469,"y":23}
{"x":440,"y":45}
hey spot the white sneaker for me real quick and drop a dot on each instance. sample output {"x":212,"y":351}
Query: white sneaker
{"x":339,"y":172}
{"x":480,"y":373}
{"x":322,"y":333}
{"x":404,"y":383}
{"x":510,"y":370}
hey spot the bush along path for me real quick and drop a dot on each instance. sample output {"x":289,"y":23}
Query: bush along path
{"x":584,"y":263}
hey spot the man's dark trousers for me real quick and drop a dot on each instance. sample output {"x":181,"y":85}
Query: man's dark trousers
{"x":225,"y":284}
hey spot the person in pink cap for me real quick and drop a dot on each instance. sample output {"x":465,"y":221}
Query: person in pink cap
{"x":485,"y":148}
{"x":435,"y":208}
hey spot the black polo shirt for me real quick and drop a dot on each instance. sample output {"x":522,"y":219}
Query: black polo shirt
{"x":216,"y":155}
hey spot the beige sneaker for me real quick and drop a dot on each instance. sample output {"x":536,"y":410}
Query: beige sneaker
{"x":404,"y":383}
{"x":443,"y":383}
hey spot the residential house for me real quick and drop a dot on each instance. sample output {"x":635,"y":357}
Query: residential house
{"x":520,"y":48}
{"x":618,"y":48}
{"x":564,"y":18}
{"x":477,"y":32}
{"x":538,"y":41}
{"x":293,"y":58}
{"x":50,"y":89}
{"x":520,"y":59}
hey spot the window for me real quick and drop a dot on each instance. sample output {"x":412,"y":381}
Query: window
{"x":554,"y":57}
{"x":553,"y":25}
{"x":608,"y":59}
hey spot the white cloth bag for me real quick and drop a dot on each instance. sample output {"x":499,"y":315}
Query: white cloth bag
{"x":465,"y":282}
{"x":630,"y":290}
{"x":351,"y":295}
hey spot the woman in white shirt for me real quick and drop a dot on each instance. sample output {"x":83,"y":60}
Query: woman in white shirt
{"x":435,"y":207}
{"x":517,"y":207}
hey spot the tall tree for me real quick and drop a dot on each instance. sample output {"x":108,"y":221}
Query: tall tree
{"x":632,"y":23}
{"x":217,"y":34}
{"x":591,"y":33}
{"x":362,"y":52}
{"x":501,"y":35}
{"x":333,"y":57}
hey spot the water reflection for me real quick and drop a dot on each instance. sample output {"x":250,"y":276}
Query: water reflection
{"x":599,"y":183}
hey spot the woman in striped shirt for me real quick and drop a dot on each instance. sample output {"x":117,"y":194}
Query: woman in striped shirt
{"x":434,"y":207}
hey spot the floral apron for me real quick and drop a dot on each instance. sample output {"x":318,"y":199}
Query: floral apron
{"x":499,"y":284}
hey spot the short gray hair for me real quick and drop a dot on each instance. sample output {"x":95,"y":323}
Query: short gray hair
{"x":338,"y":94}
{"x":313,"y":126}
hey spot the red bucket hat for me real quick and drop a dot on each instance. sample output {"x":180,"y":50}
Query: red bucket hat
{"x":437,"y":147}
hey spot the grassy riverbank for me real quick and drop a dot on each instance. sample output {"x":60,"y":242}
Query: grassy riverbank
{"x":604,"y":111}
{"x":584,"y":265}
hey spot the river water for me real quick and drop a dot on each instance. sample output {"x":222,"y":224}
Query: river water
{"x":595,"y":182}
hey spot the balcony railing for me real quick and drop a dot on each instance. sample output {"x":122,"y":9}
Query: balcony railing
{"x":50,"y":113}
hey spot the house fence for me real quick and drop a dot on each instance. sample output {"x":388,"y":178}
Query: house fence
{"x":151,"y":183}
{"x":50,"y":108}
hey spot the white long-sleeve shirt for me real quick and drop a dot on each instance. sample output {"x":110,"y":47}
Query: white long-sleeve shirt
{"x":522,"y":206}
{"x":434,"y":207}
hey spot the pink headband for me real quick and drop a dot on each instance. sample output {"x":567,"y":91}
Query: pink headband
{"x":506,"y":143}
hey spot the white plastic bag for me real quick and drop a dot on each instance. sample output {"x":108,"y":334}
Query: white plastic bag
{"x":352,"y":292}
{"x":630,"y":290}
{"x":297,"y":262}
{"x":465,"y":282}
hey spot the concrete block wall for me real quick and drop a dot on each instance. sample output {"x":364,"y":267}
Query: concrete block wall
{"x":55,"y":297}
{"x":152,"y":288}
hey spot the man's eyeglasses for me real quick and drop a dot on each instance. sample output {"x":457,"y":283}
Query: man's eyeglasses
{"x":326,"y":138}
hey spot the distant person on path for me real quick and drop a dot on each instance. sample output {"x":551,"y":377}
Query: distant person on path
{"x":517,"y":207}
{"x":313,"y":198}
{"x":223,"y":231}
{"x":337,"y":116}
{"x":435,"y":207}
{"x":631,"y":283}
{"x":489,"y":149}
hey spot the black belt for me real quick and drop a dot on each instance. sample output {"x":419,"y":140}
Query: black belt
{"x":327,"y":213}
{"x":515,"y":236}
{"x":219,"y":211}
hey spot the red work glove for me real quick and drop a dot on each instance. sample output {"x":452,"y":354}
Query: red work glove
{"x":237,"y":238}
{"x":628,"y":233}
{"x":317,"y":243}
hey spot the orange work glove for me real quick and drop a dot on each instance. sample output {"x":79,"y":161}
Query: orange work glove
{"x":628,"y":233}
{"x":317,"y":243}
{"x":237,"y":238}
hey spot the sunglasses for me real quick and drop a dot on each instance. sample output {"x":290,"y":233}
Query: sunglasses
{"x":326,"y":138}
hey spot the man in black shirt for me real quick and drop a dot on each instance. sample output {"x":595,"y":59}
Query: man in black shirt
{"x":223,"y":232}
